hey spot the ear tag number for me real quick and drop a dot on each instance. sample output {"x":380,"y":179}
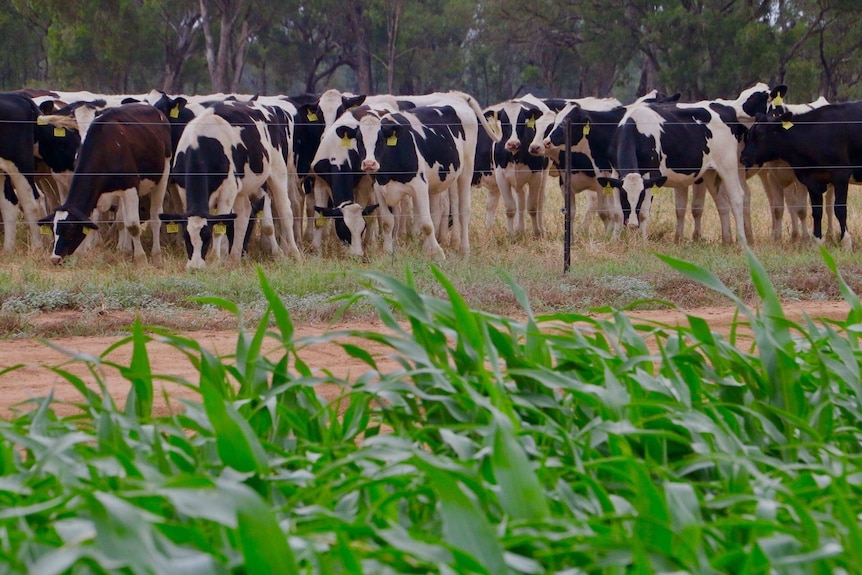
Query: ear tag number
{"x":175,"y":111}
{"x":778,"y":101}
{"x":219,"y":229}
{"x":312,"y":117}
{"x":392,"y":140}
{"x":46,"y":230}
{"x":86,"y":231}
{"x":320,"y":221}
{"x":587,"y":129}
{"x":173,"y":228}
{"x":59,"y":132}
{"x":345,"y":141}
{"x":531,"y":123}
{"x":607,"y":190}
{"x":786,"y":125}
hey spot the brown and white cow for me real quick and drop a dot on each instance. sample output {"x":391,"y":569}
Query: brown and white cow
{"x":125,"y":156}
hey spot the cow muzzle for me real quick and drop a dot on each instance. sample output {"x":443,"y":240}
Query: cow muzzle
{"x":633,"y":223}
{"x":513,"y":145}
{"x":370,"y":165}
{"x":56,"y":260}
{"x":537,"y":150}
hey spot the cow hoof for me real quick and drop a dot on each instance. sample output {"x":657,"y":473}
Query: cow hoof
{"x":157,"y":259}
{"x":847,"y":243}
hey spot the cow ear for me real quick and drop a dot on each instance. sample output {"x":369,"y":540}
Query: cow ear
{"x":130,"y":101}
{"x":89,"y":224}
{"x":615,"y":182}
{"x":779,"y":91}
{"x":659,"y":181}
{"x":47,"y":107}
{"x":47,"y":220}
{"x":368,"y":210}
{"x":674,"y":98}
{"x":173,"y":218}
{"x":786,"y":117}
{"x":352,"y":102}
{"x":326,"y":211}
{"x":603,"y":181}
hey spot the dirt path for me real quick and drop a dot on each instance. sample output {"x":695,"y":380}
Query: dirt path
{"x":36,"y":380}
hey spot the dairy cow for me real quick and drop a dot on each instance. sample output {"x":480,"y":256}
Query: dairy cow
{"x":683,"y":144}
{"x":819,"y":148}
{"x":424,"y":152}
{"x":226,"y":153}
{"x":125,"y":156}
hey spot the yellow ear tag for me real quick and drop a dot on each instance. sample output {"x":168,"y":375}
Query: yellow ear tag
{"x":312,"y":117}
{"x":59,"y":132}
{"x":86,"y":231}
{"x":175,"y":111}
{"x":345,"y":141}
{"x":786,"y":125}
{"x":778,"y":100}
{"x":219,"y":229}
{"x":172,"y":228}
{"x":41,"y":122}
{"x":607,"y":190}
{"x":213,"y":211}
{"x":392,"y":140}
{"x":587,"y":129}
{"x":531,"y":123}
{"x":655,"y":188}
{"x":260,"y":215}
{"x":45,"y":230}
{"x":367,"y":219}
{"x":320,"y":221}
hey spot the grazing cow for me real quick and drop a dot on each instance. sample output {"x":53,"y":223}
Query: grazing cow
{"x":424,"y":152}
{"x":125,"y":156}
{"x":685,"y":144}
{"x":821,"y":150}
{"x":231,"y":150}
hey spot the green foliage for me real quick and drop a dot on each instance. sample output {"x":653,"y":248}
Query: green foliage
{"x":559,"y":444}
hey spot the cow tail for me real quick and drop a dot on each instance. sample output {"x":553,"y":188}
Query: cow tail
{"x":480,"y":114}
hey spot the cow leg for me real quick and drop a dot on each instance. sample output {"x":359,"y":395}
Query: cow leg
{"x":129,"y":205}
{"x":775,"y":197}
{"x":9,"y":212}
{"x":452,"y":213}
{"x":746,"y":206}
{"x":797,"y":203}
{"x":387,"y":218}
{"x":698,"y":203}
{"x":321,"y":199}
{"x":491,"y":203}
{"x":840,"y":208}
{"x":422,"y":207}
{"x":829,"y":200}
{"x":644,"y":213}
{"x":680,"y":204}
{"x":536,"y":202}
{"x":816,"y":198}
{"x":280,"y":200}
{"x":27,"y":200}
{"x":520,"y":210}
{"x":465,"y":202}
{"x":157,"y":203}
{"x":242,"y":209}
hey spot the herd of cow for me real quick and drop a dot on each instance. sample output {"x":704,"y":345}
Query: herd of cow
{"x":208,"y":167}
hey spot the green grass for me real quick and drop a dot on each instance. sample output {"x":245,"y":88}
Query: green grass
{"x":102,"y":284}
{"x":556,"y":443}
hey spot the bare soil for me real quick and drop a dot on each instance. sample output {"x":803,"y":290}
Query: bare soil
{"x":35,"y":379}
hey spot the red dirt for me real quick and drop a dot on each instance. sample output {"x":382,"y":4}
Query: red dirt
{"x":34,"y":380}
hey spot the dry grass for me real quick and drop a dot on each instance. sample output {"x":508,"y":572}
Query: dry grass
{"x":105,"y":289}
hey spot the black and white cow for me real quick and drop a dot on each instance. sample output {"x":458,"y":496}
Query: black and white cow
{"x":820,"y":149}
{"x":683,"y":144}
{"x":520,"y":176}
{"x":125,"y":156}
{"x":18,"y":115}
{"x":226,"y":153}
{"x":421,"y":153}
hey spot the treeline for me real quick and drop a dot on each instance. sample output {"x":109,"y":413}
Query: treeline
{"x":495,"y":49}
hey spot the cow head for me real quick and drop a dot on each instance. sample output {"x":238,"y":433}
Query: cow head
{"x":762,"y":137}
{"x":198,"y":233}
{"x":349,"y":219}
{"x":751,"y":102}
{"x":556,"y":138}
{"x":70,"y":227}
{"x":635,"y":195}
{"x":518,"y":124}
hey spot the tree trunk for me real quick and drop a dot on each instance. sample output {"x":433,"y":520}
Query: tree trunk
{"x":177,"y":54}
{"x":361,"y":57}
